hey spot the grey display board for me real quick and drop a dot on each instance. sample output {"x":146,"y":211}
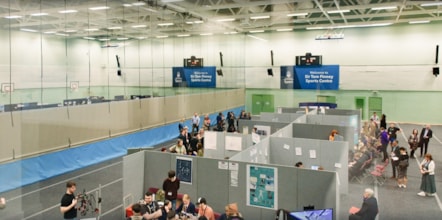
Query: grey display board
{"x":279,"y":117}
{"x":321,"y":132}
{"x":133,"y":182}
{"x":250,"y":124}
{"x":332,"y":156}
{"x":218,"y":141}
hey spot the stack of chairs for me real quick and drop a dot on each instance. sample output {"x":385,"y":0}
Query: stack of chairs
{"x":378,"y":173}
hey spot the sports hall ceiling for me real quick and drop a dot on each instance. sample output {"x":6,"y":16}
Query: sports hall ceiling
{"x":132,"y":19}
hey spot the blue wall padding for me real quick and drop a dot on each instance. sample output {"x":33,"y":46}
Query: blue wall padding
{"x":30,"y":170}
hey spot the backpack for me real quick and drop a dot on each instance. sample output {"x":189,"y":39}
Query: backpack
{"x":160,"y":195}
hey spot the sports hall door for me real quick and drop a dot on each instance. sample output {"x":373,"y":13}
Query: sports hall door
{"x":262,"y":103}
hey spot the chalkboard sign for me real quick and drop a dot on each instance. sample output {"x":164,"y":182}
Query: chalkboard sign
{"x":184,"y":169}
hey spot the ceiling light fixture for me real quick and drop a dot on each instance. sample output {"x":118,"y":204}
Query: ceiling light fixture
{"x":67,"y":11}
{"x":162,"y":36}
{"x":225,"y":19}
{"x":297,"y":14}
{"x":338,"y":11}
{"x":165,"y":24}
{"x":183,"y":35}
{"x":104,"y":39}
{"x":28,"y":30}
{"x":138,"y":3}
{"x":39,"y":14}
{"x":70,"y":31}
{"x":206,"y":34}
{"x":384,"y":8}
{"x":139,"y":26}
{"x":256,"y":31}
{"x":89,"y":38}
{"x":114,"y":28}
{"x":431,"y":4}
{"x":91,"y":29}
{"x":122,"y":38}
{"x":419,"y":22}
{"x":99,"y":8}
{"x":13,"y":16}
{"x":61,"y":34}
{"x":260,"y":17}
{"x":284,"y":29}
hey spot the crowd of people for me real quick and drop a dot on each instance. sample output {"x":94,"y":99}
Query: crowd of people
{"x":375,"y":141}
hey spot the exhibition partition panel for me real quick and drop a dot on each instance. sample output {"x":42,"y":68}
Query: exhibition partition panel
{"x":226,"y":181}
{"x":321,"y":132}
{"x":279,"y":117}
{"x":332,"y":156}
{"x":250,"y":124}
{"x":222,"y":145}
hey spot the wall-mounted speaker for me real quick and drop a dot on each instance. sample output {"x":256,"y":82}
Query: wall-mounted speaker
{"x":435,"y":71}
{"x":437,"y":54}
{"x":270,"y":72}
{"x":271,"y":57}
{"x":221,"y":58}
{"x":219,"y":72}
{"x":118,"y":64}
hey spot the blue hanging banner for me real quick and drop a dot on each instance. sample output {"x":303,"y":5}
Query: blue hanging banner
{"x":324,"y":77}
{"x":204,"y":77}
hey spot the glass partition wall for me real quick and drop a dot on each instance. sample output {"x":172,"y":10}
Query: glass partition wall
{"x":97,"y":51}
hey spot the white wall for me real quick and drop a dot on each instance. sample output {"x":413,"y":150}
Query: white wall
{"x":382,"y":58}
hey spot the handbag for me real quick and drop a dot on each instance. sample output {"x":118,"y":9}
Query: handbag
{"x":403,"y":163}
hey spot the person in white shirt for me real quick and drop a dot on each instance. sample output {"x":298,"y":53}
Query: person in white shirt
{"x":195,"y":123}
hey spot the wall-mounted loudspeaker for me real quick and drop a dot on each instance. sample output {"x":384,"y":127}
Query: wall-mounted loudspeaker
{"x":270,"y":72}
{"x":221,"y":58}
{"x":219,"y":72}
{"x":271,"y":57}
{"x":435,"y":71}
{"x":118,"y":64}
{"x":437,"y":54}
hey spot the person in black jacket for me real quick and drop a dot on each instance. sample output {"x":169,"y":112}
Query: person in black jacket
{"x":425,"y":136}
{"x":369,"y":208}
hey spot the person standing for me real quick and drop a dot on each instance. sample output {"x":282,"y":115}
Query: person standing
{"x":425,"y":136}
{"x":375,"y":118}
{"x":2,"y":203}
{"x":69,"y":201}
{"x":428,"y":184}
{"x":384,"y":143}
{"x":392,"y":130}
{"x":369,"y":208}
{"x":413,"y":141}
{"x":402,"y":168}
{"x":383,"y":122}
{"x":171,"y":185}
{"x":195,"y":123}
{"x":394,"y":157}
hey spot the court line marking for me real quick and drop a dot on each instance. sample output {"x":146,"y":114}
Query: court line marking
{"x":58,"y":205}
{"x":64,"y":181}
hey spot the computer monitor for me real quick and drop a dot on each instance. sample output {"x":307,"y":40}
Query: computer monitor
{"x":318,"y":214}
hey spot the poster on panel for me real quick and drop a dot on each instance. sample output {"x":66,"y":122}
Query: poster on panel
{"x":262,"y":187}
{"x":184,"y":169}
{"x":233,"y":143}
{"x":210,"y":140}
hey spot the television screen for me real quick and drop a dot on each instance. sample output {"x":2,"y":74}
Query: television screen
{"x":319,"y":214}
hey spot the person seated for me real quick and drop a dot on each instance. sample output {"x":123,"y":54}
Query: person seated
{"x":160,"y":213}
{"x":186,"y":207}
{"x":331,"y":137}
{"x":149,"y":205}
{"x":136,"y":209}
{"x":299,"y":164}
{"x":233,"y":213}
{"x":369,"y":208}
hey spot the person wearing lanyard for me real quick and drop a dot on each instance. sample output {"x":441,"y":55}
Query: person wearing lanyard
{"x":204,"y":209}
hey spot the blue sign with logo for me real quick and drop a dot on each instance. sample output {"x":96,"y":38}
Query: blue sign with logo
{"x":204,"y":77}
{"x":324,"y":77}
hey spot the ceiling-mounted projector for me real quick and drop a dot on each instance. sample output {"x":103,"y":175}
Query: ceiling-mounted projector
{"x":333,"y":36}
